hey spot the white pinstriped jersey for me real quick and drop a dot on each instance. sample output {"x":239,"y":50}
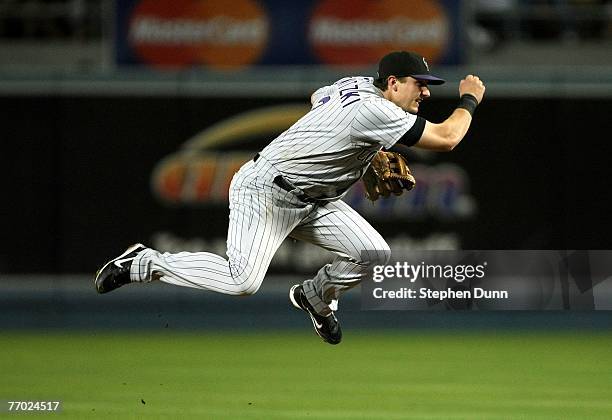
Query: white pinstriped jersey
{"x":323,"y":154}
{"x":328,"y":149}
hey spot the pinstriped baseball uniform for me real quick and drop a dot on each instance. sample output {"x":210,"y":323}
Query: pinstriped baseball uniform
{"x":293,"y":189}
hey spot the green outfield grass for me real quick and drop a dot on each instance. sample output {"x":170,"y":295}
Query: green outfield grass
{"x":288,"y":375}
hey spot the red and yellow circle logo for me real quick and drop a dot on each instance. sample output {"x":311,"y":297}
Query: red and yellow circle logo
{"x":360,"y":32}
{"x":182,"y":33}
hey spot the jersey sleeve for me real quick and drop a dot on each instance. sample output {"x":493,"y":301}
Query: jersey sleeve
{"x":382,"y":122}
{"x":320,"y":94}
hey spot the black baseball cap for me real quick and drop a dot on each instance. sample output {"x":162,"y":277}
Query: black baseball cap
{"x":403,"y":63}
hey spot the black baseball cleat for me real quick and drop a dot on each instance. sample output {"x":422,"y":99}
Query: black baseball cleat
{"x":116,"y":272}
{"x":326,"y":327}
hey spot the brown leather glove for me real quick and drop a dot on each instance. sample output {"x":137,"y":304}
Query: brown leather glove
{"x":388,"y":173}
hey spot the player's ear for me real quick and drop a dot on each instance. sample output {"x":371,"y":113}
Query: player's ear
{"x":392,"y":83}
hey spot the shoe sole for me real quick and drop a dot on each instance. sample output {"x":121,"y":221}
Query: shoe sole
{"x":127,"y":251}
{"x":292,"y":299}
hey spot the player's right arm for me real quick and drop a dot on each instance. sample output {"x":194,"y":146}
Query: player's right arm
{"x":446,"y":135}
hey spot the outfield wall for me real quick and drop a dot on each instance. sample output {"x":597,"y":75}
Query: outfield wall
{"x":70,"y":303}
{"x":90,"y":174}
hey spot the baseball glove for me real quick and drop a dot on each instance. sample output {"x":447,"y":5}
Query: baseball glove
{"x":388,"y":173}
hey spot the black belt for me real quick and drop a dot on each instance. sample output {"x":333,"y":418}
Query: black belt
{"x":288,"y":186}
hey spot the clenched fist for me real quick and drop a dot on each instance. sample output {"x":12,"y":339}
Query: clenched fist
{"x":472,"y":85}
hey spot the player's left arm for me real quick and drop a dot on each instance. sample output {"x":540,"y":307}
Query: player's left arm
{"x":318,"y":97}
{"x":443,"y":137}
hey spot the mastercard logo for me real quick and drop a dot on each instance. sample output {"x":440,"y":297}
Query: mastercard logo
{"x":360,"y":32}
{"x":182,"y":33}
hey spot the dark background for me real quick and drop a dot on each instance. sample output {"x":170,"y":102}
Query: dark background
{"x":78,"y":184}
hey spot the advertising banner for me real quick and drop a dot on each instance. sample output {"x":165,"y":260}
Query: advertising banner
{"x":182,"y":34}
{"x":97,"y":174}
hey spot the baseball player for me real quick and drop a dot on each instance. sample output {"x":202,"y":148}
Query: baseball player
{"x":293,"y":188}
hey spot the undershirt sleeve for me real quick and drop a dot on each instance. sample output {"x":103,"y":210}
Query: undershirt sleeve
{"x":412,"y":136}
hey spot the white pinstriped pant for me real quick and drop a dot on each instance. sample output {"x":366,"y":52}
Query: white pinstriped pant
{"x":262,"y":215}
